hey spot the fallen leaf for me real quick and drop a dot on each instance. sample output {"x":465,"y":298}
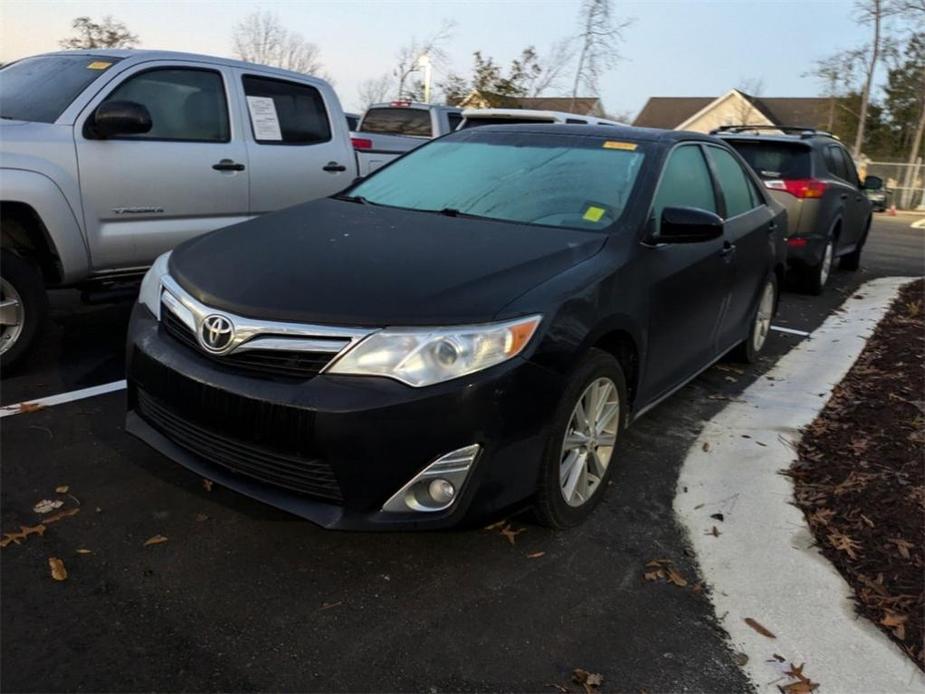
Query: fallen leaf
{"x":63,"y":489}
{"x":58,"y":572}
{"x":207,"y":485}
{"x":706,"y":446}
{"x":903,"y":546}
{"x":156,"y":540}
{"x":676,"y":578}
{"x":47,"y":505}
{"x":718,"y":516}
{"x":67,"y":513}
{"x":496,"y":526}
{"x":30,"y":407}
{"x":329,"y":605}
{"x":82,"y":550}
{"x":844,"y":543}
{"x":740,"y":659}
{"x":653,"y":575}
{"x":759,"y":628}
{"x":535,"y":555}
{"x":512,"y":534}
{"x":201,"y":517}
{"x":24,"y":532}
{"x":589,"y":680}
{"x":714,"y":532}
{"x":896,"y":622}
{"x":558,"y":686}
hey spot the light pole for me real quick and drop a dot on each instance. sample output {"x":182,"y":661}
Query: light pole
{"x":424,"y":62}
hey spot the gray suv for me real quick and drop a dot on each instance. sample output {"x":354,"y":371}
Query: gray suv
{"x":811,"y":174}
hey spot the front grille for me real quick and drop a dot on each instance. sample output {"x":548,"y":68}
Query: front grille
{"x":310,"y":476}
{"x":287,"y":363}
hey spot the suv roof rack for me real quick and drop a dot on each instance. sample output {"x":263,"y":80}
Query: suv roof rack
{"x":803,"y":131}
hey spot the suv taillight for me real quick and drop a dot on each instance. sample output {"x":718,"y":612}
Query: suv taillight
{"x":798,"y":187}
{"x":361,"y":142}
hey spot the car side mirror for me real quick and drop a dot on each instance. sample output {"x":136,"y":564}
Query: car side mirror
{"x":689,"y":225}
{"x":113,"y":118}
{"x":873,"y":183}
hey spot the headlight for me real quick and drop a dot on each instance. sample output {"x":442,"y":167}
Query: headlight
{"x":424,"y":356}
{"x":150,"y":292}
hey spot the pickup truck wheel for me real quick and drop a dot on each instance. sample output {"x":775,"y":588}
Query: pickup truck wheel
{"x":23,"y":307}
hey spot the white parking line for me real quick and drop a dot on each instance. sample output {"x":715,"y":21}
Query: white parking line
{"x":42,"y":403}
{"x":790,"y":331}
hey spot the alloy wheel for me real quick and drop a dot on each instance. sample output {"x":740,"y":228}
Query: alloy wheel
{"x":11,"y":316}
{"x":589,"y":441}
{"x":763,"y":317}
{"x":826,"y":267}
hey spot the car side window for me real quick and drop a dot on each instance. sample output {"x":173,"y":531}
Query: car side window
{"x":454,"y":120}
{"x":285,"y":113}
{"x":185,"y":104}
{"x":852,"y":171}
{"x":835,"y":162}
{"x":686,"y":182}
{"x":738,"y":189}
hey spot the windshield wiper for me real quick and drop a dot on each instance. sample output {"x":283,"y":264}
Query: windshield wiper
{"x":353,"y":198}
{"x":453,"y":212}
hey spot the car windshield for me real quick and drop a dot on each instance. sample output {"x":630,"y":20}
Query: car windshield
{"x":40,"y":88}
{"x":582,"y":182}
{"x":775,"y":160}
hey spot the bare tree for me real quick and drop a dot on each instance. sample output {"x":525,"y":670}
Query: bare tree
{"x":601,"y":33}
{"x":552,"y":65}
{"x":407,"y":60}
{"x":374,"y":91}
{"x":872,"y":12}
{"x":107,"y":34}
{"x":836,"y":74}
{"x":261,"y":38}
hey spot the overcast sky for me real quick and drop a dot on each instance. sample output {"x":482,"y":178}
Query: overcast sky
{"x":693,"y":48}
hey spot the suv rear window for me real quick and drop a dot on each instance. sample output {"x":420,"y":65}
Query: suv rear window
{"x":39,"y":89}
{"x":397,"y":121}
{"x":776,"y":160}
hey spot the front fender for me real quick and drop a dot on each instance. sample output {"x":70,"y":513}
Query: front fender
{"x":61,"y":226}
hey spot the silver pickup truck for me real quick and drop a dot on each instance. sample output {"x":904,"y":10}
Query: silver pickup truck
{"x":108,"y":158}
{"x":387,"y":131}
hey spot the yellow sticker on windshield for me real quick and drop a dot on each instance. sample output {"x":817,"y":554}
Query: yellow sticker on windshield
{"x":98,"y":65}
{"x":613,"y":144}
{"x":593,"y":214}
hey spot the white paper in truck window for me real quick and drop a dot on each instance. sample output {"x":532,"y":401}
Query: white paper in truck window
{"x":264,"y":118}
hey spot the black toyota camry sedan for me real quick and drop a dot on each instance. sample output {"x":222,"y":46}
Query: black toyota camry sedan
{"x":465,"y":332}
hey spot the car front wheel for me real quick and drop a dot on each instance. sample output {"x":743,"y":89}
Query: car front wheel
{"x":580,"y":449}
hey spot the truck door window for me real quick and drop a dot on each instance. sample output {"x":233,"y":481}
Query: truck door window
{"x":397,"y":121}
{"x":285,"y":113}
{"x":185,"y":104}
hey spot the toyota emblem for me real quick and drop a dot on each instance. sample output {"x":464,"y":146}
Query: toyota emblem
{"x":216,"y":333}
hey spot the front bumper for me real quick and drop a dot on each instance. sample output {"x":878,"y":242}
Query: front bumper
{"x":365,"y":436}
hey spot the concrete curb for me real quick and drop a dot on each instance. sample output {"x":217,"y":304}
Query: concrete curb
{"x":763,"y":564}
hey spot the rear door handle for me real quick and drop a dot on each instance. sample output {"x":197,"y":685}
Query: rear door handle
{"x":729,"y":249}
{"x":333,"y":166}
{"x":228,"y":165}
{"x":844,"y":196}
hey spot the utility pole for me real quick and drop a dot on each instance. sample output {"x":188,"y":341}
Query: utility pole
{"x":424,"y":61}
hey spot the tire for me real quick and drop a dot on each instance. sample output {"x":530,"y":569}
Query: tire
{"x":23,"y":300}
{"x":815,"y":278}
{"x":852,"y":261}
{"x":749,"y":351}
{"x":597,"y":369}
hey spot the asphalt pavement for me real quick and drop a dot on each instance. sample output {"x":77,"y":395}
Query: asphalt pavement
{"x":243,"y":597}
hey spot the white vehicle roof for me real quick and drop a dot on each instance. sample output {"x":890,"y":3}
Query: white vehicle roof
{"x":533,"y":114}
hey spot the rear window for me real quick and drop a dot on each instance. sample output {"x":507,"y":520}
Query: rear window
{"x":39,"y":89}
{"x":548,"y":180}
{"x":776,"y":160}
{"x":397,"y":121}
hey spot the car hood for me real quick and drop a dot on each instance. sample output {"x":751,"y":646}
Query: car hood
{"x":337,"y":262}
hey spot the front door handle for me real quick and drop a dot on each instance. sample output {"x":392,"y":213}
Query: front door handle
{"x":228,"y":165}
{"x":333,"y":166}
{"x":729,"y":250}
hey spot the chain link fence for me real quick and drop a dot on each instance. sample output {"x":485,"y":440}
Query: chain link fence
{"x":906,"y":182}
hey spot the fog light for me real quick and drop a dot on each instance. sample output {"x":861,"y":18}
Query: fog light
{"x":437,"y":486}
{"x":441,"y":491}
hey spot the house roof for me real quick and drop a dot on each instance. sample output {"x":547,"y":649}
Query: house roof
{"x":672,"y":111}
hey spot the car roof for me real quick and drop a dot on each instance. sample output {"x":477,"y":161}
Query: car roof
{"x":610,"y":132}
{"x":132,"y":55}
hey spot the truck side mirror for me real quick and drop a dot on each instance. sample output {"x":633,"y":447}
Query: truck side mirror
{"x":113,"y":118}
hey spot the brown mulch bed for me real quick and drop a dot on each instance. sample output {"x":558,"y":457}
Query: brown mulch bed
{"x":860,"y":477}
